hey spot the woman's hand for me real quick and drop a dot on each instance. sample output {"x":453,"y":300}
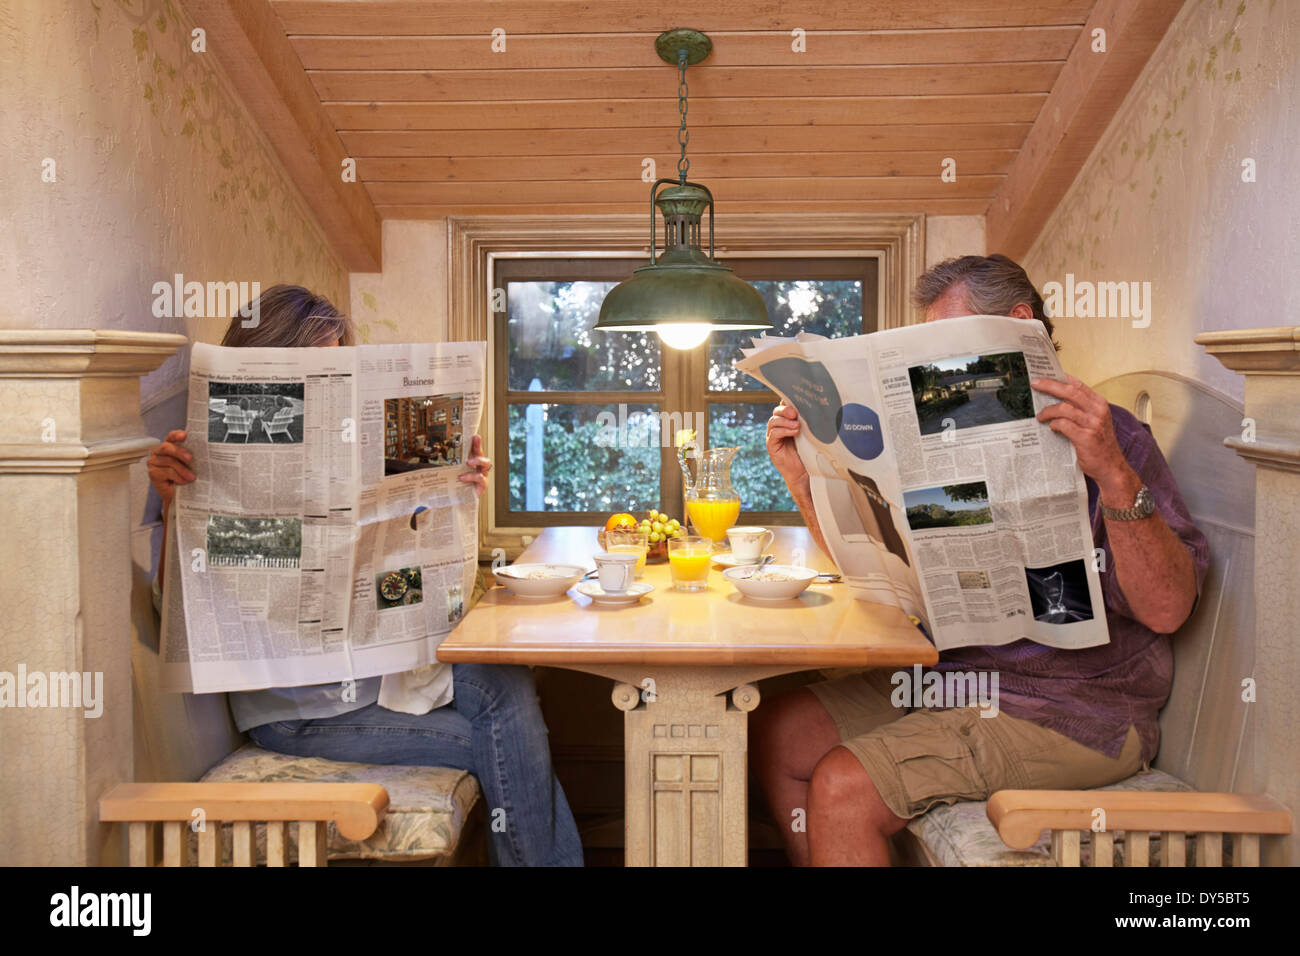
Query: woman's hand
{"x":781,"y":429}
{"x":168,"y":466}
{"x":478,"y":465}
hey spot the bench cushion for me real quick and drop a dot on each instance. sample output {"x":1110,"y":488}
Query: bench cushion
{"x":427,"y":806}
{"x":961,"y":834}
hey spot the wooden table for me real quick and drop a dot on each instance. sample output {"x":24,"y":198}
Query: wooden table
{"x":685,"y":664}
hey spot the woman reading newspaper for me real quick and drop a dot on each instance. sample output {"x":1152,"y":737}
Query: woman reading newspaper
{"x":861,"y":767}
{"x":493,"y":727}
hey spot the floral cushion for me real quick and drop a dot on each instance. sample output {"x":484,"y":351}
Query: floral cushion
{"x":961,"y":834}
{"x":427,"y":806}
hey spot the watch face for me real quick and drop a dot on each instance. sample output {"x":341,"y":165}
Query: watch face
{"x":1146,"y":502}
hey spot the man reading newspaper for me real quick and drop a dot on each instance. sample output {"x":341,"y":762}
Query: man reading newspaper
{"x":861,"y":767}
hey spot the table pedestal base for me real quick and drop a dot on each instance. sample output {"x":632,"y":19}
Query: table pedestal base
{"x":685,"y":740}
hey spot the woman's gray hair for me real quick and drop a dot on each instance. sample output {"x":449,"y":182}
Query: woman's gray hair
{"x":994,"y":285}
{"x":289,"y":316}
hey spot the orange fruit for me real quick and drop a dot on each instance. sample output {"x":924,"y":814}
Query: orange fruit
{"x":618,"y":520}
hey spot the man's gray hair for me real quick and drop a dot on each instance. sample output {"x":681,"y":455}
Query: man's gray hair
{"x":994,"y":285}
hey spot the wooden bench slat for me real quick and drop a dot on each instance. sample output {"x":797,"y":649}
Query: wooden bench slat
{"x":243,"y":840}
{"x":1137,"y":848}
{"x":1103,"y":848}
{"x":1209,"y":849}
{"x":176,"y":844}
{"x":311,"y":843}
{"x":356,"y":808}
{"x":1245,"y":849}
{"x":140,"y":844}
{"x":1173,"y":849}
{"x":275,"y":843}
{"x":1020,"y":816}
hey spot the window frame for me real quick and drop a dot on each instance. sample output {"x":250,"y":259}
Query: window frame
{"x":475,"y":243}
{"x":684,"y":381}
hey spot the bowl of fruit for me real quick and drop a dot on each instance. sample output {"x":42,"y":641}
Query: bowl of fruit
{"x":656,"y":527}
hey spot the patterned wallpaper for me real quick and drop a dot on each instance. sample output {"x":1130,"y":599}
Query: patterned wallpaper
{"x":159,"y":171}
{"x":1162,"y":198}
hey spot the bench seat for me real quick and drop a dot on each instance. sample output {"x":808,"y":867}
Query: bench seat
{"x":428,"y":809}
{"x":962,"y":835}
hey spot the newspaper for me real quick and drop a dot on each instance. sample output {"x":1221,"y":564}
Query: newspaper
{"x":936,"y":488}
{"x":327,"y":536}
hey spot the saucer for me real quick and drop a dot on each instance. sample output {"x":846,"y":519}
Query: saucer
{"x":635,"y":591}
{"x":729,"y":560}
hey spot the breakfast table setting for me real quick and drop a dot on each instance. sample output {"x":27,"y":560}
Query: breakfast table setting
{"x":684,"y":626}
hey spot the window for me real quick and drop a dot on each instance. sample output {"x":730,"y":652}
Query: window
{"x":586,"y":421}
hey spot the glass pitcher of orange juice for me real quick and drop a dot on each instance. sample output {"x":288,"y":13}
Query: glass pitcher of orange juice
{"x":712,"y":505}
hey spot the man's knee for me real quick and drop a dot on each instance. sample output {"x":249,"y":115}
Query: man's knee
{"x":839,"y":779}
{"x":840,"y":784}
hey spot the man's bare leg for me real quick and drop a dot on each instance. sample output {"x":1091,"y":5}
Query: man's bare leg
{"x":787,"y":739}
{"x":848,"y":823}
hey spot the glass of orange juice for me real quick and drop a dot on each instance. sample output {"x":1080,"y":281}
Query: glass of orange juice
{"x":689,"y":558}
{"x":630,"y":540}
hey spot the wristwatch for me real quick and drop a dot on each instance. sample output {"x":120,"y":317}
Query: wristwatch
{"x":1144,"y":506}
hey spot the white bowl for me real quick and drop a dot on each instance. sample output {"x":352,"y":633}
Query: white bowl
{"x":558,"y":578}
{"x":742,"y":579}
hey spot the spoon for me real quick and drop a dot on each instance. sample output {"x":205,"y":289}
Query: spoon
{"x":755,"y":568}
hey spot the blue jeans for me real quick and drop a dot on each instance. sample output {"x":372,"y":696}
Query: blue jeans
{"x":493,"y":729}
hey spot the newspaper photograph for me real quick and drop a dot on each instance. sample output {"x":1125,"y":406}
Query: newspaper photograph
{"x":327,"y":536}
{"x":936,"y":488}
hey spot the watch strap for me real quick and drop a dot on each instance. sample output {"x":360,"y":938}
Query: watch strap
{"x":1144,"y":506}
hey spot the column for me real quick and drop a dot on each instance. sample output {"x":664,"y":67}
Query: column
{"x":69,"y":429}
{"x":1270,"y":440}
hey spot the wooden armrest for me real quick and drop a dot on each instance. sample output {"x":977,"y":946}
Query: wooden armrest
{"x":356,"y":808}
{"x":1021,"y":815}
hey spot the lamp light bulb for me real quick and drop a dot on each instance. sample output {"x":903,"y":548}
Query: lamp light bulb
{"x":683,"y":335}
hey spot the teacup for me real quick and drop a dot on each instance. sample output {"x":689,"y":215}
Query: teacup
{"x":615,"y":570}
{"x":749,"y":543}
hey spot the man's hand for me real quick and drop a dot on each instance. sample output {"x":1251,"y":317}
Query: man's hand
{"x":781,"y":429}
{"x":478,"y":465}
{"x":1083,"y":417}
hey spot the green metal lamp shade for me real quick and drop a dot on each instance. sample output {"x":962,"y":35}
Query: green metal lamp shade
{"x":683,"y":285}
{"x":683,"y":294}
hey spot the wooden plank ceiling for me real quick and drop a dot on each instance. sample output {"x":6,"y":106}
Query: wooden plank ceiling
{"x":562,"y":120}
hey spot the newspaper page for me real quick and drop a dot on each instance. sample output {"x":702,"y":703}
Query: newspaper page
{"x":936,"y":488}
{"x":326,"y":536}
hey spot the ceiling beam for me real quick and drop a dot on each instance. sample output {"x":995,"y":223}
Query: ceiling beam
{"x":602,"y":113}
{"x":797,"y":211}
{"x":648,"y":83}
{"x":480,"y":17}
{"x":706,"y":166}
{"x":652,"y":140}
{"x":251,"y":46}
{"x":1076,"y":113}
{"x":839,"y":189}
{"x":731,"y":48}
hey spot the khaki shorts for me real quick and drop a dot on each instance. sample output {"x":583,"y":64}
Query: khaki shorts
{"x":924,"y":758}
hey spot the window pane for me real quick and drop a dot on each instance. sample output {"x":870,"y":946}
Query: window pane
{"x":753,"y":475}
{"x":550,"y":339}
{"x":830,"y":307}
{"x":567,"y":457}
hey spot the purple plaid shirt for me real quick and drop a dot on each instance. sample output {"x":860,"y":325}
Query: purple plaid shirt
{"x":1093,"y":695}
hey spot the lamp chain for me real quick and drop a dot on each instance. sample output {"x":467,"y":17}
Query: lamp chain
{"x":683,"y":137}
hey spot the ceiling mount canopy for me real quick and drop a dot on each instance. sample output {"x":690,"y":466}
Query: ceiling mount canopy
{"x":683,"y":293}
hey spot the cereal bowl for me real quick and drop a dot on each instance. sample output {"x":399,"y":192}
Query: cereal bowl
{"x":538,"y":580}
{"x":773,"y":582}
